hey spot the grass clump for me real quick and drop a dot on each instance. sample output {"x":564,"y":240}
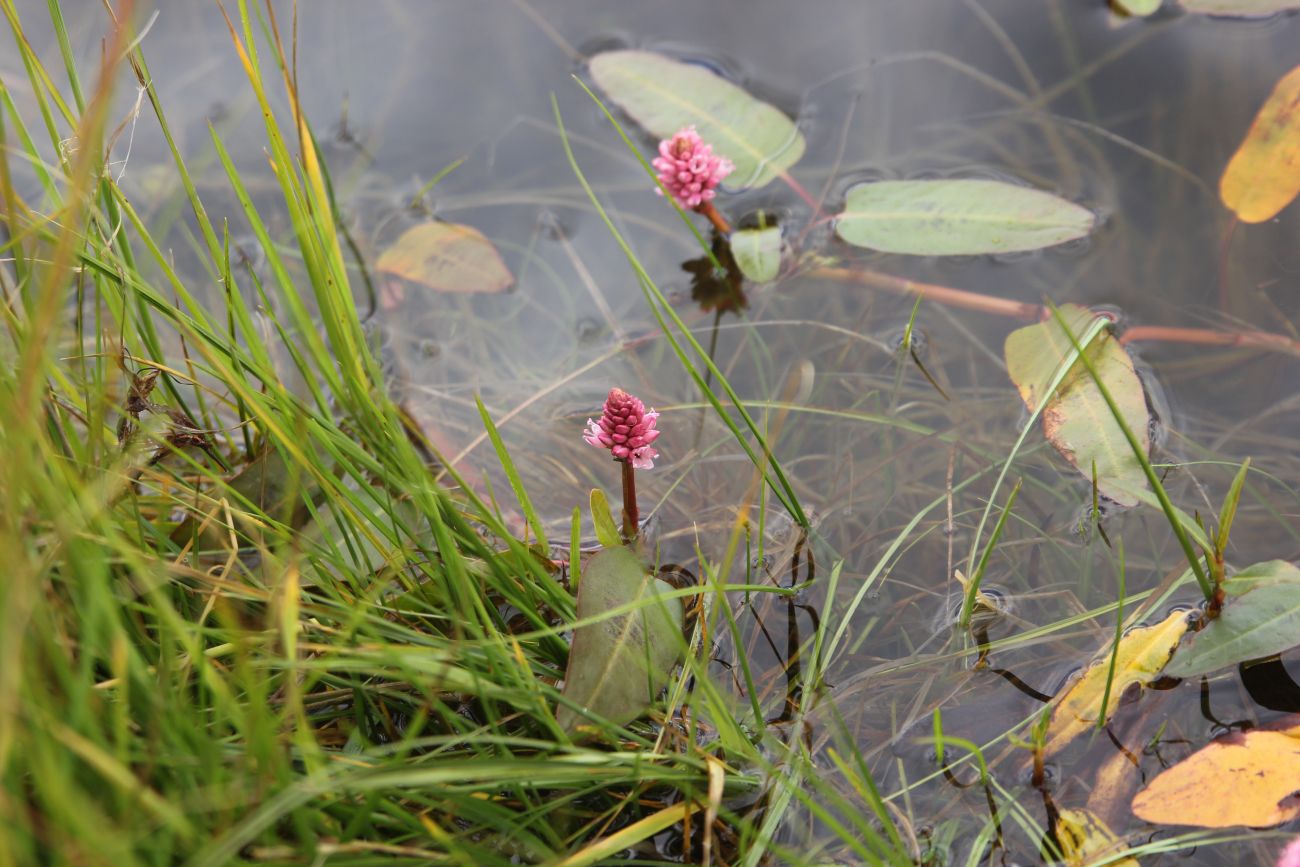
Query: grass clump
{"x":241,"y":619}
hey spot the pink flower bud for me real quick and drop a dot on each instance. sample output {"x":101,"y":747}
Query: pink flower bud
{"x":689,"y":169}
{"x":626,"y":429}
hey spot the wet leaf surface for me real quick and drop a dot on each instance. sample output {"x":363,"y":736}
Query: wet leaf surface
{"x":448,"y":257}
{"x":1077,"y":420}
{"x":1139,"y":659}
{"x":1243,"y":779}
{"x":1263,"y":176}
{"x":663,"y":95}
{"x":958,"y":217}
{"x":618,"y":665}
{"x":1260,"y":617}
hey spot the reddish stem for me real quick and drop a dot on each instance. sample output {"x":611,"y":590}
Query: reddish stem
{"x":1210,"y":337}
{"x":1037,"y":312}
{"x":942,"y":294}
{"x":631,"y":517}
{"x":715,"y":217}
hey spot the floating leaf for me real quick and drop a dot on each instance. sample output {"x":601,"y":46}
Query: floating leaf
{"x":957,"y":217}
{"x":618,"y":664}
{"x":1085,"y":839}
{"x":1138,"y":8}
{"x":758,"y":252}
{"x":1242,"y":779}
{"x":606,"y":530}
{"x":1140,"y":658}
{"x":663,"y":95}
{"x":1259,"y":618}
{"x":448,"y":257}
{"x":1263,"y":176}
{"x":1077,"y":420}
{"x":1239,"y":8}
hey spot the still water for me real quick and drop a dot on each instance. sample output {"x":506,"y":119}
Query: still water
{"x":1133,"y":118}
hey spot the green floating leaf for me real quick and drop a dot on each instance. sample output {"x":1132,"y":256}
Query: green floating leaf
{"x":618,"y":665}
{"x":1138,"y":8}
{"x":1076,"y":419}
{"x":448,"y":257}
{"x":663,"y":95}
{"x":1239,"y":8}
{"x":958,"y":217}
{"x":606,"y":530}
{"x":757,"y":252}
{"x":1260,"y":617}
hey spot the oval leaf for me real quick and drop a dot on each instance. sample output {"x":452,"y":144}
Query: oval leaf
{"x":1139,"y":658}
{"x":448,"y":257}
{"x":958,"y":217}
{"x":663,"y":95}
{"x":1259,"y":618}
{"x":757,"y":252}
{"x":1239,"y":8}
{"x":1242,"y":779}
{"x":1263,"y":176}
{"x":618,"y":665}
{"x":1077,"y":419}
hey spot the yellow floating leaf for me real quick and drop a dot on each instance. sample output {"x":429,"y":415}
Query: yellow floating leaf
{"x":448,"y":257}
{"x":1085,"y":839}
{"x":1243,"y":779}
{"x":1263,"y":176}
{"x":1141,"y":655}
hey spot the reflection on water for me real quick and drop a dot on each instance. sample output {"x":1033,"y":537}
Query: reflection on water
{"x":1132,"y":118}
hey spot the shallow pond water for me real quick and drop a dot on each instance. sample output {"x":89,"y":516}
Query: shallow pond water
{"x":1133,"y":118}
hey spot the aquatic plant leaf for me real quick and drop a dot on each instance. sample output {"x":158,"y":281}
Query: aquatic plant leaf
{"x":618,"y":665}
{"x":958,"y":217}
{"x":1076,"y":419}
{"x":448,"y":257}
{"x":1239,"y":8}
{"x":1085,"y":839}
{"x":1139,"y":8}
{"x":663,"y":95}
{"x":1263,"y":175}
{"x":1260,"y":617}
{"x":603,"y":519}
{"x":1140,"y":658}
{"x":758,"y":252}
{"x":1245,"y":778}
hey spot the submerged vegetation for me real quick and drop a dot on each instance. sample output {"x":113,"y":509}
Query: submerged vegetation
{"x":266,"y":601}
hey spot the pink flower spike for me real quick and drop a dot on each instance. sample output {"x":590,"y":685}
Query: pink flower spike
{"x":1290,"y":856}
{"x":626,"y":428}
{"x":689,"y":169}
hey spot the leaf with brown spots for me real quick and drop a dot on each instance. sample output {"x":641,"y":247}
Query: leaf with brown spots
{"x":1076,"y":418}
{"x":1085,"y":839}
{"x":1250,"y":779}
{"x":1140,"y":657}
{"x":1263,"y":176}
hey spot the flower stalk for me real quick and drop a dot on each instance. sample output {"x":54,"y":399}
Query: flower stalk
{"x":626,"y":428}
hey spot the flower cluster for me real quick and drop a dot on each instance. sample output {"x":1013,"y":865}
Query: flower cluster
{"x":689,"y":169}
{"x":626,"y":429}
